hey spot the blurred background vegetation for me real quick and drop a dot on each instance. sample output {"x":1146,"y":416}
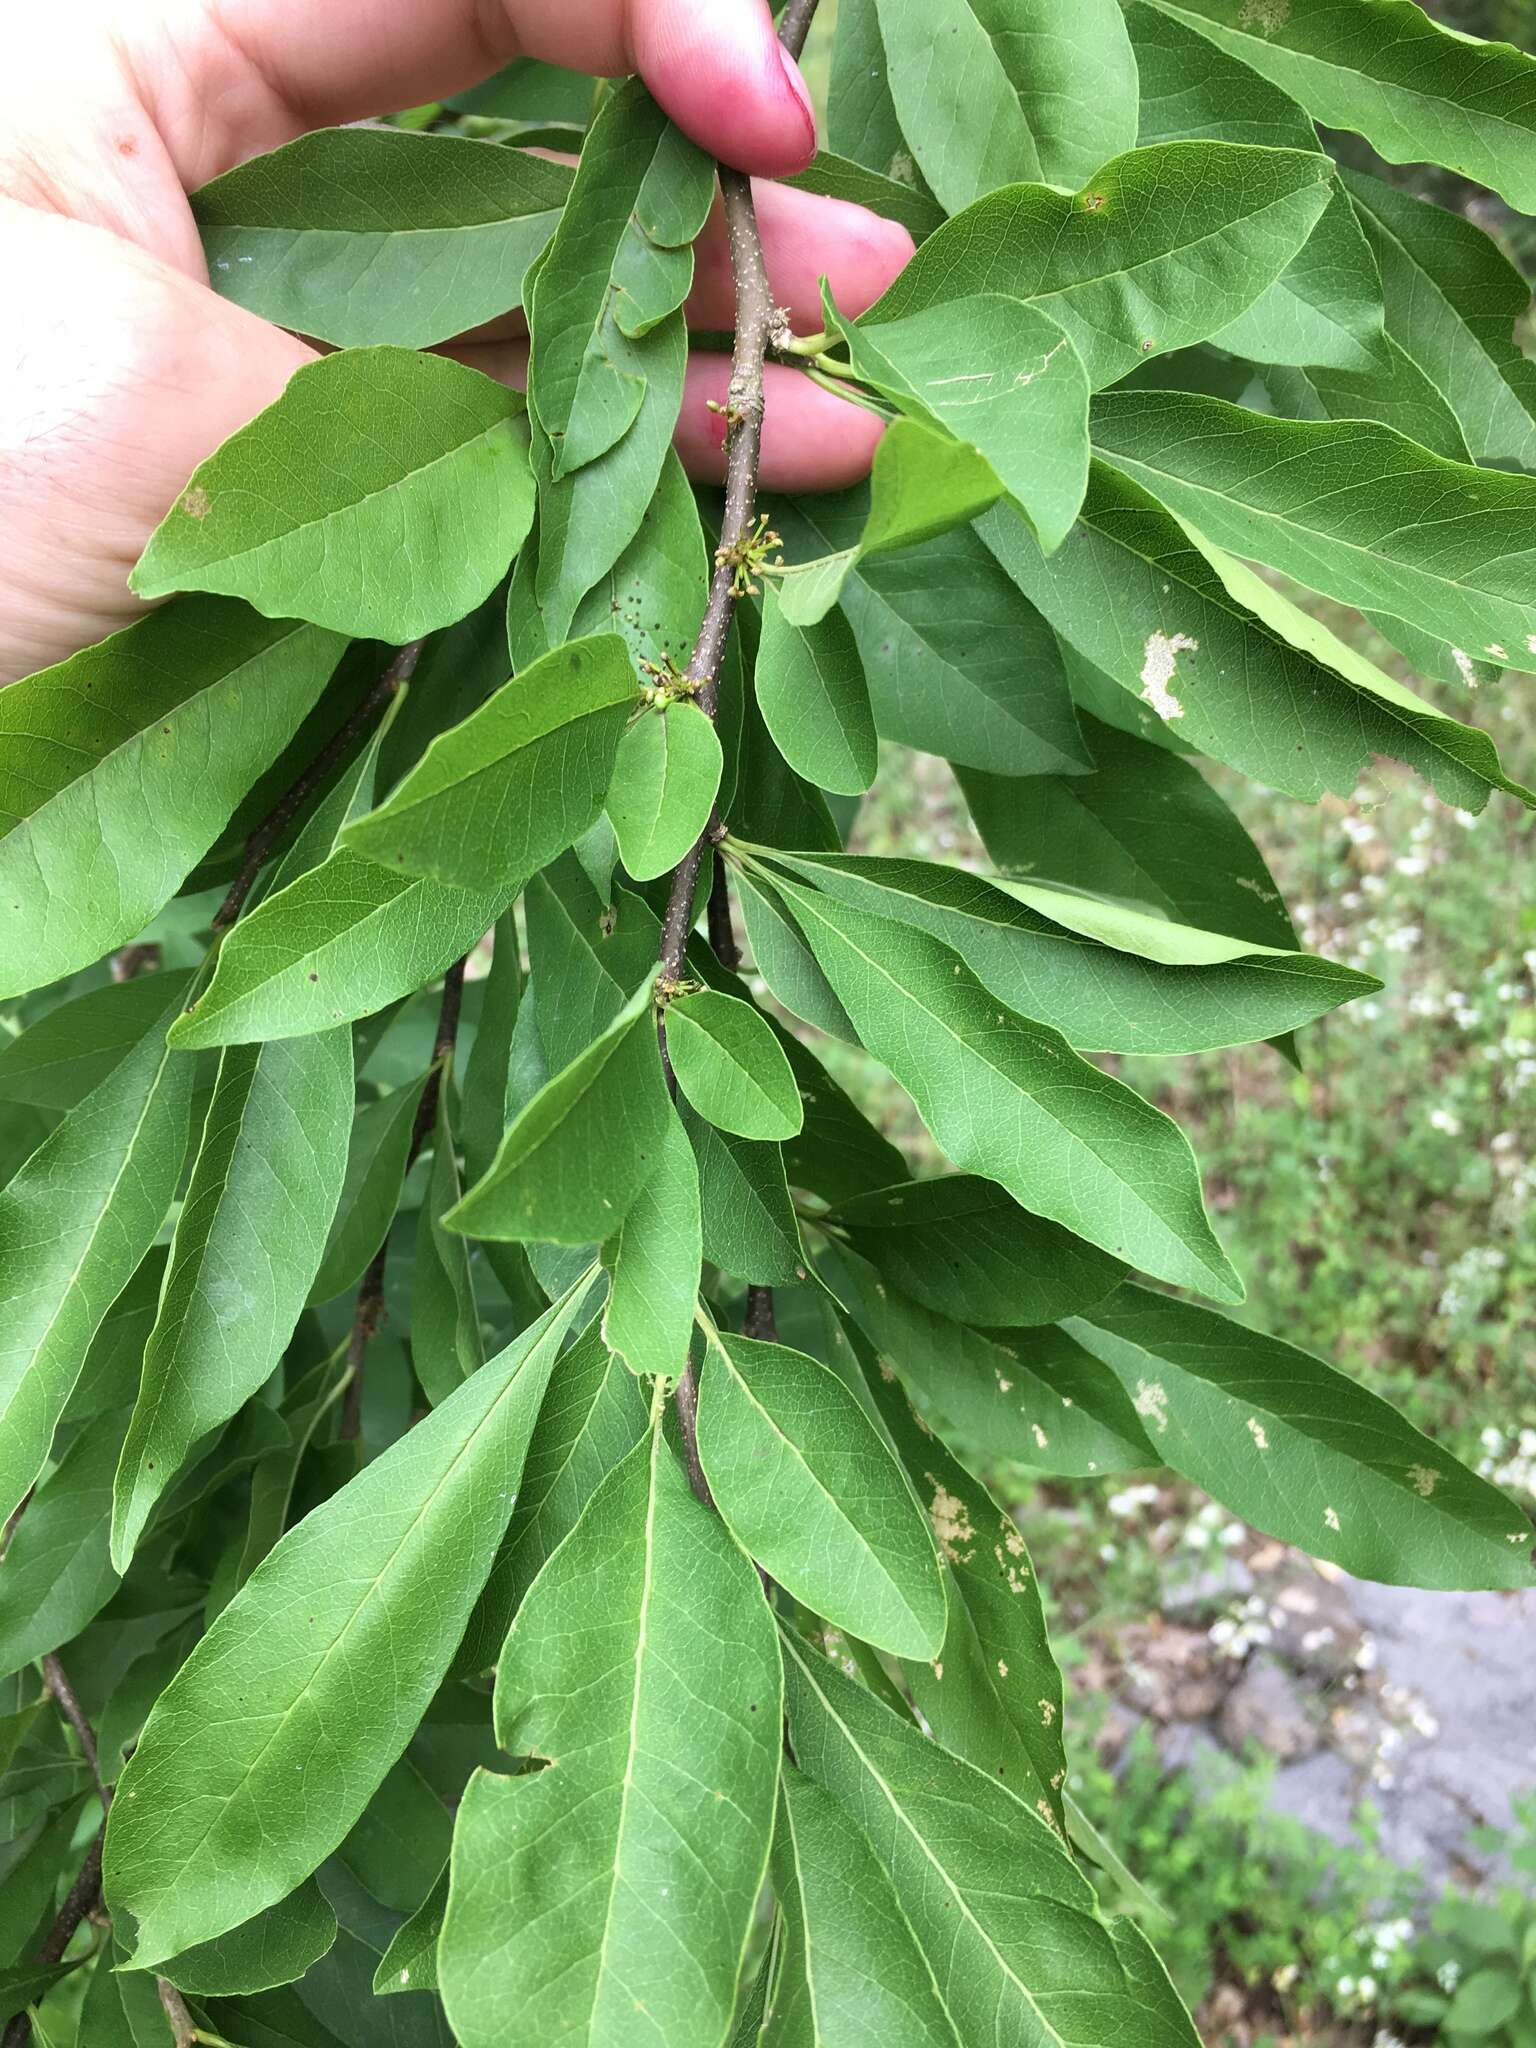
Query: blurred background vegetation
{"x":1379,"y":1205}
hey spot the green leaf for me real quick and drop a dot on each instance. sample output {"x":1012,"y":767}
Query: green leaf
{"x":1000,"y":1913}
{"x":1416,"y":91}
{"x":363,"y":234}
{"x":575,"y":1159}
{"x":729,"y":1066}
{"x":921,"y":484}
{"x":248,"y":1240}
{"x":1035,"y":1398}
{"x":1108,"y":977}
{"x":1302,"y":1452}
{"x":810,"y":1491}
{"x":119,"y":767}
{"x":785,"y":961}
{"x":1162,"y":248}
{"x":814,"y":700}
{"x":654,"y":595}
{"x":1141,"y":600}
{"x":501,"y":794}
{"x":839,"y":1152}
{"x":74,"y":1223}
{"x":378,"y":1145}
{"x":1487,"y":2001}
{"x":956,"y":661}
{"x":57,"y":1574}
{"x":446,"y":1344}
{"x":1007,"y":1098}
{"x":381,"y":495}
{"x":1325,"y":307}
{"x":619,"y":262}
{"x":851,"y":1970}
{"x":839,"y":177}
{"x":665,"y":778}
{"x":399,"y":1843}
{"x":1001,"y":377}
{"x":384,"y":1575}
{"x":993,"y":1695}
{"x":410,"y":1961}
{"x":988,"y":91}
{"x":1452,"y":300}
{"x":861,"y":120}
{"x":1347,"y":507}
{"x":1400,"y":396}
{"x":56,"y":1061}
{"x":965,"y":1249}
{"x":276,"y":1947}
{"x":655,"y":1260}
{"x":593,"y":1414}
{"x":1144,"y":827}
{"x":628,"y":1869}
{"x":747,"y":1216}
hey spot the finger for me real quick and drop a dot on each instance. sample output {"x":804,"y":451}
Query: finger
{"x":225,"y":82}
{"x":812,"y":439}
{"x":805,"y":237}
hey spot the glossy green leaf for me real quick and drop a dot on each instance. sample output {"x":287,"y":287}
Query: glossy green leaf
{"x":60,"y":1058}
{"x":922,"y":483}
{"x":384,"y":1574}
{"x":839,"y":177}
{"x":811,"y":1492}
{"x":813,"y":697}
{"x":446,"y":1341}
{"x":119,"y":768}
{"x":410,"y":1961}
{"x":654,"y":595}
{"x":248,"y":1240}
{"x":1003,"y":378}
{"x":1349,"y":508}
{"x":657,"y":1705}
{"x":1325,"y":307}
{"x":74,"y":1223}
{"x":1400,"y":396}
{"x":1163,"y":247}
{"x":381,"y":495}
{"x":784,"y":960}
{"x":747,"y":1216}
{"x":994,"y":1694}
{"x":378,"y":1144}
{"x":1141,"y":601}
{"x":1034,"y":1397}
{"x":962,"y":1247}
{"x":56,"y":1575}
{"x":577,"y":1156}
{"x":665,"y":777}
{"x":371,"y":234}
{"x":1387,"y":70}
{"x":861,"y":119}
{"x":593,"y":1414}
{"x":276,"y":1947}
{"x":1452,"y":300}
{"x":1301,"y":1451}
{"x":990,"y":91}
{"x":850,"y":1971}
{"x":957,"y":661}
{"x":1108,"y":977}
{"x":620,"y":261}
{"x":729,"y":1066}
{"x":654,"y":1261}
{"x":500,"y":795}
{"x":1007,"y":1098}
{"x":1002,"y":1916}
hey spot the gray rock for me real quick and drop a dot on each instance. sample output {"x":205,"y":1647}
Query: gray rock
{"x":1267,"y":1707}
{"x":1319,"y":1791}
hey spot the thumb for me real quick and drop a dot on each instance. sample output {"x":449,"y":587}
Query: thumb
{"x":722,"y":74}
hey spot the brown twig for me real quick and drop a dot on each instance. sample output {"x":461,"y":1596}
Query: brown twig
{"x":759,"y":1320}
{"x":722,"y":933}
{"x":282,"y":814}
{"x":368,"y":1318}
{"x":183,"y":2027}
{"x":760,"y":325}
{"x":128,"y":961}
{"x":57,"y":1682}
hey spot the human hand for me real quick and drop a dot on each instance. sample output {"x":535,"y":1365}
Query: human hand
{"x":123,"y":370}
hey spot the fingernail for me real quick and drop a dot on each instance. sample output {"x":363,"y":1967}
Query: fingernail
{"x":801,"y":91}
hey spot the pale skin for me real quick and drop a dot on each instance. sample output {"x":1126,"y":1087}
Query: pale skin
{"x":119,"y":368}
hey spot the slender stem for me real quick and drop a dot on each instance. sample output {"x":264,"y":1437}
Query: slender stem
{"x":759,"y":1320}
{"x":722,"y":933}
{"x":282,"y":814}
{"x":128,"y":961}
{"x":368,"y":1316}
{"x":57,"y":1682}
{"x":760,"y":325}
{"x":183,"y":2027}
